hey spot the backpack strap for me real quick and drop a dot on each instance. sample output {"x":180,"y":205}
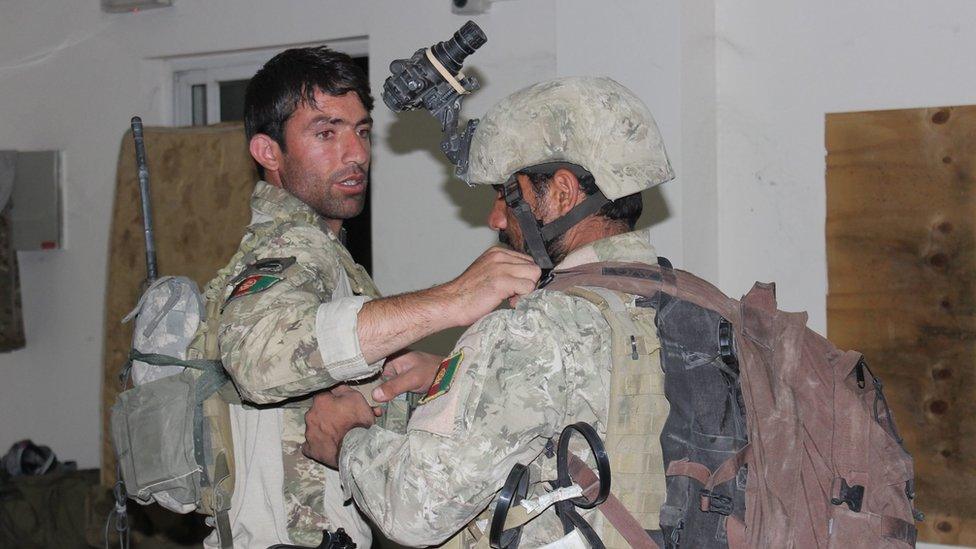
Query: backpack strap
{"x":617,"y":515}
{"x":646,"y":281}
{"x":762,"y":296}
{"x":221,"y":500}
{"x":735,"y":529}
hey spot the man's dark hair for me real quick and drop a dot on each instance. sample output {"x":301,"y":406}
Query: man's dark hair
{"x":626,"y":208}
{"x":290,"y":79}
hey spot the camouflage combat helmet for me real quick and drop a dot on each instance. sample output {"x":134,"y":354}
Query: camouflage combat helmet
{"x":595,"y":123}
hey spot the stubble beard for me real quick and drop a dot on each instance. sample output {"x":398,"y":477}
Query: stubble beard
{"x":319,"y":193}
{"x":556,"y":248}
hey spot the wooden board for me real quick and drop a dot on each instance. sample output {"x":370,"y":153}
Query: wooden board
{"x":901,"y":256}
{"x":201,"y":183}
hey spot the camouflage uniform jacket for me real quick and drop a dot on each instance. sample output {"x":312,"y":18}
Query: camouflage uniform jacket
{"x":524,"y":374}
{"x":291,"y":297}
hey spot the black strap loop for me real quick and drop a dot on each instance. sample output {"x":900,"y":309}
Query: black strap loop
{"x":581,"y":211}
{"x":599,"y":455}
{"x":515,"y":489}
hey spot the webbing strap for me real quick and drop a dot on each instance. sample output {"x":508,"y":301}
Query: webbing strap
{"x":896,"y":528}
{"x":686,"y":468}
{"x":531,"y":235}
{"x":611,"y":306}
{"x":645,"y":281}
{"x":221,"y":503}
{"x":618,"y":515}
{"x":157,"y":359}
{"x":735,"y":533}
{"x":207,"y":384}
{"x":729,"y":468}
{"x":587,"y":207}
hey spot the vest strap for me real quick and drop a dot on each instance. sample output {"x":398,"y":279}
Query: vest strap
{"x":618,"y":515}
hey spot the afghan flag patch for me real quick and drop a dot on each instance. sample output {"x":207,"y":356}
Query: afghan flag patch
{"x":253,"y":284}
{"x":444,"y":377}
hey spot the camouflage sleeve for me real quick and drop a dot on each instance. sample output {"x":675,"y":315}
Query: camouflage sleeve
{"x":267,"y":333}
{"x":505,"y":399}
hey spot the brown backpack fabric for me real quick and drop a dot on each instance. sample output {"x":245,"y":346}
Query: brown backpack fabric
{"x":826,"y":467}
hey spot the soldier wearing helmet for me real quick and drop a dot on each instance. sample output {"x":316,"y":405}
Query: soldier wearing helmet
{"x":568,"y":158}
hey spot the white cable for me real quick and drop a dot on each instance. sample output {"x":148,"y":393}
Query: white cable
{"x":546,"y":500}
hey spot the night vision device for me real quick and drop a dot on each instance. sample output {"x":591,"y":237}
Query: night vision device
{"x":432,"y":79}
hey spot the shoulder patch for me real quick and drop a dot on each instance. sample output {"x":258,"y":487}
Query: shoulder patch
{"x":253,"y":284}
{"x":444,"y":377}
{"x":271,"y":265}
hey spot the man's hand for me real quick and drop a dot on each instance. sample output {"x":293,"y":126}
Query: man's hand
{"x":333,"y":414}
{"x":387,"y":325}
{"x":497,"y":275}
{"x":412,"y":372}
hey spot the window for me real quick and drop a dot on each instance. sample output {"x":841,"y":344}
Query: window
{"x":210,"y":88}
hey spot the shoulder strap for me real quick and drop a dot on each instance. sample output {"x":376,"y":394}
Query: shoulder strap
{"x":761,"y":296}
{"x":646,"y":281}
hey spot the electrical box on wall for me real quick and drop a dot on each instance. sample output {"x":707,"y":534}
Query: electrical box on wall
{"x":116,"y":6}
{"x":35,"y":213}
{"x":471,"y":7}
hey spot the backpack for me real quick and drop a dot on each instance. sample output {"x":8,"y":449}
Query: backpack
{"x":171,"y":431}
{"x":775,"y":438}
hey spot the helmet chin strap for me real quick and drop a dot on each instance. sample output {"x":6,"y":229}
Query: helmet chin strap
{"x":535,"y":234}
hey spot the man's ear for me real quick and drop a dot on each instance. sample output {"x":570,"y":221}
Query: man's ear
{"x":565,"y":191}
{"x":265,"y":152}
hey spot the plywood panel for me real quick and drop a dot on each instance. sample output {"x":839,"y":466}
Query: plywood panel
{"x":202,"y":180}
{"x":901,"y":252}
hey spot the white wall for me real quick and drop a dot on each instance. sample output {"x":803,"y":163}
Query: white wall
{"x":781,"y":67}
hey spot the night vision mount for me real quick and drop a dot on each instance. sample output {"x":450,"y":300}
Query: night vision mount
{"x":432,"y":79}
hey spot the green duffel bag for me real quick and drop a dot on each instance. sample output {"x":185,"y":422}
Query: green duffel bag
{"x":45,"y":510}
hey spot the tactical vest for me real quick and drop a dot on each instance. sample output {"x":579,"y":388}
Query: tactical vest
{"x":637,"y":409}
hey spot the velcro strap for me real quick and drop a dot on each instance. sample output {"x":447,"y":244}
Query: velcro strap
{"x":896,"y":528}
{"x":616,"y":513}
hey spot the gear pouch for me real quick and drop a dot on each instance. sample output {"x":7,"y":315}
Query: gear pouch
{"x":152,"y":430}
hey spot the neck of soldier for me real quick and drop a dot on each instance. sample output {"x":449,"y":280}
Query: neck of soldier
{"x":334,"y":225}
{"x":274,"y":179}
{"x":589,"y":230}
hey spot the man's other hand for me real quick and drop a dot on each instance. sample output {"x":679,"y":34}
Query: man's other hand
{"x":410,"y":372}
{"x":497,"y":275}
{"x":333,"y":414}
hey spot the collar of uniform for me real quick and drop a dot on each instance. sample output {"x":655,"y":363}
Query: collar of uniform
{"x":270,"y":202}
{"x":632,"y":247}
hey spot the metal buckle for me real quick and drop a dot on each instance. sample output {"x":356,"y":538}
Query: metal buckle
{"x":717,"y":503}
{"x":851,"y":495}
